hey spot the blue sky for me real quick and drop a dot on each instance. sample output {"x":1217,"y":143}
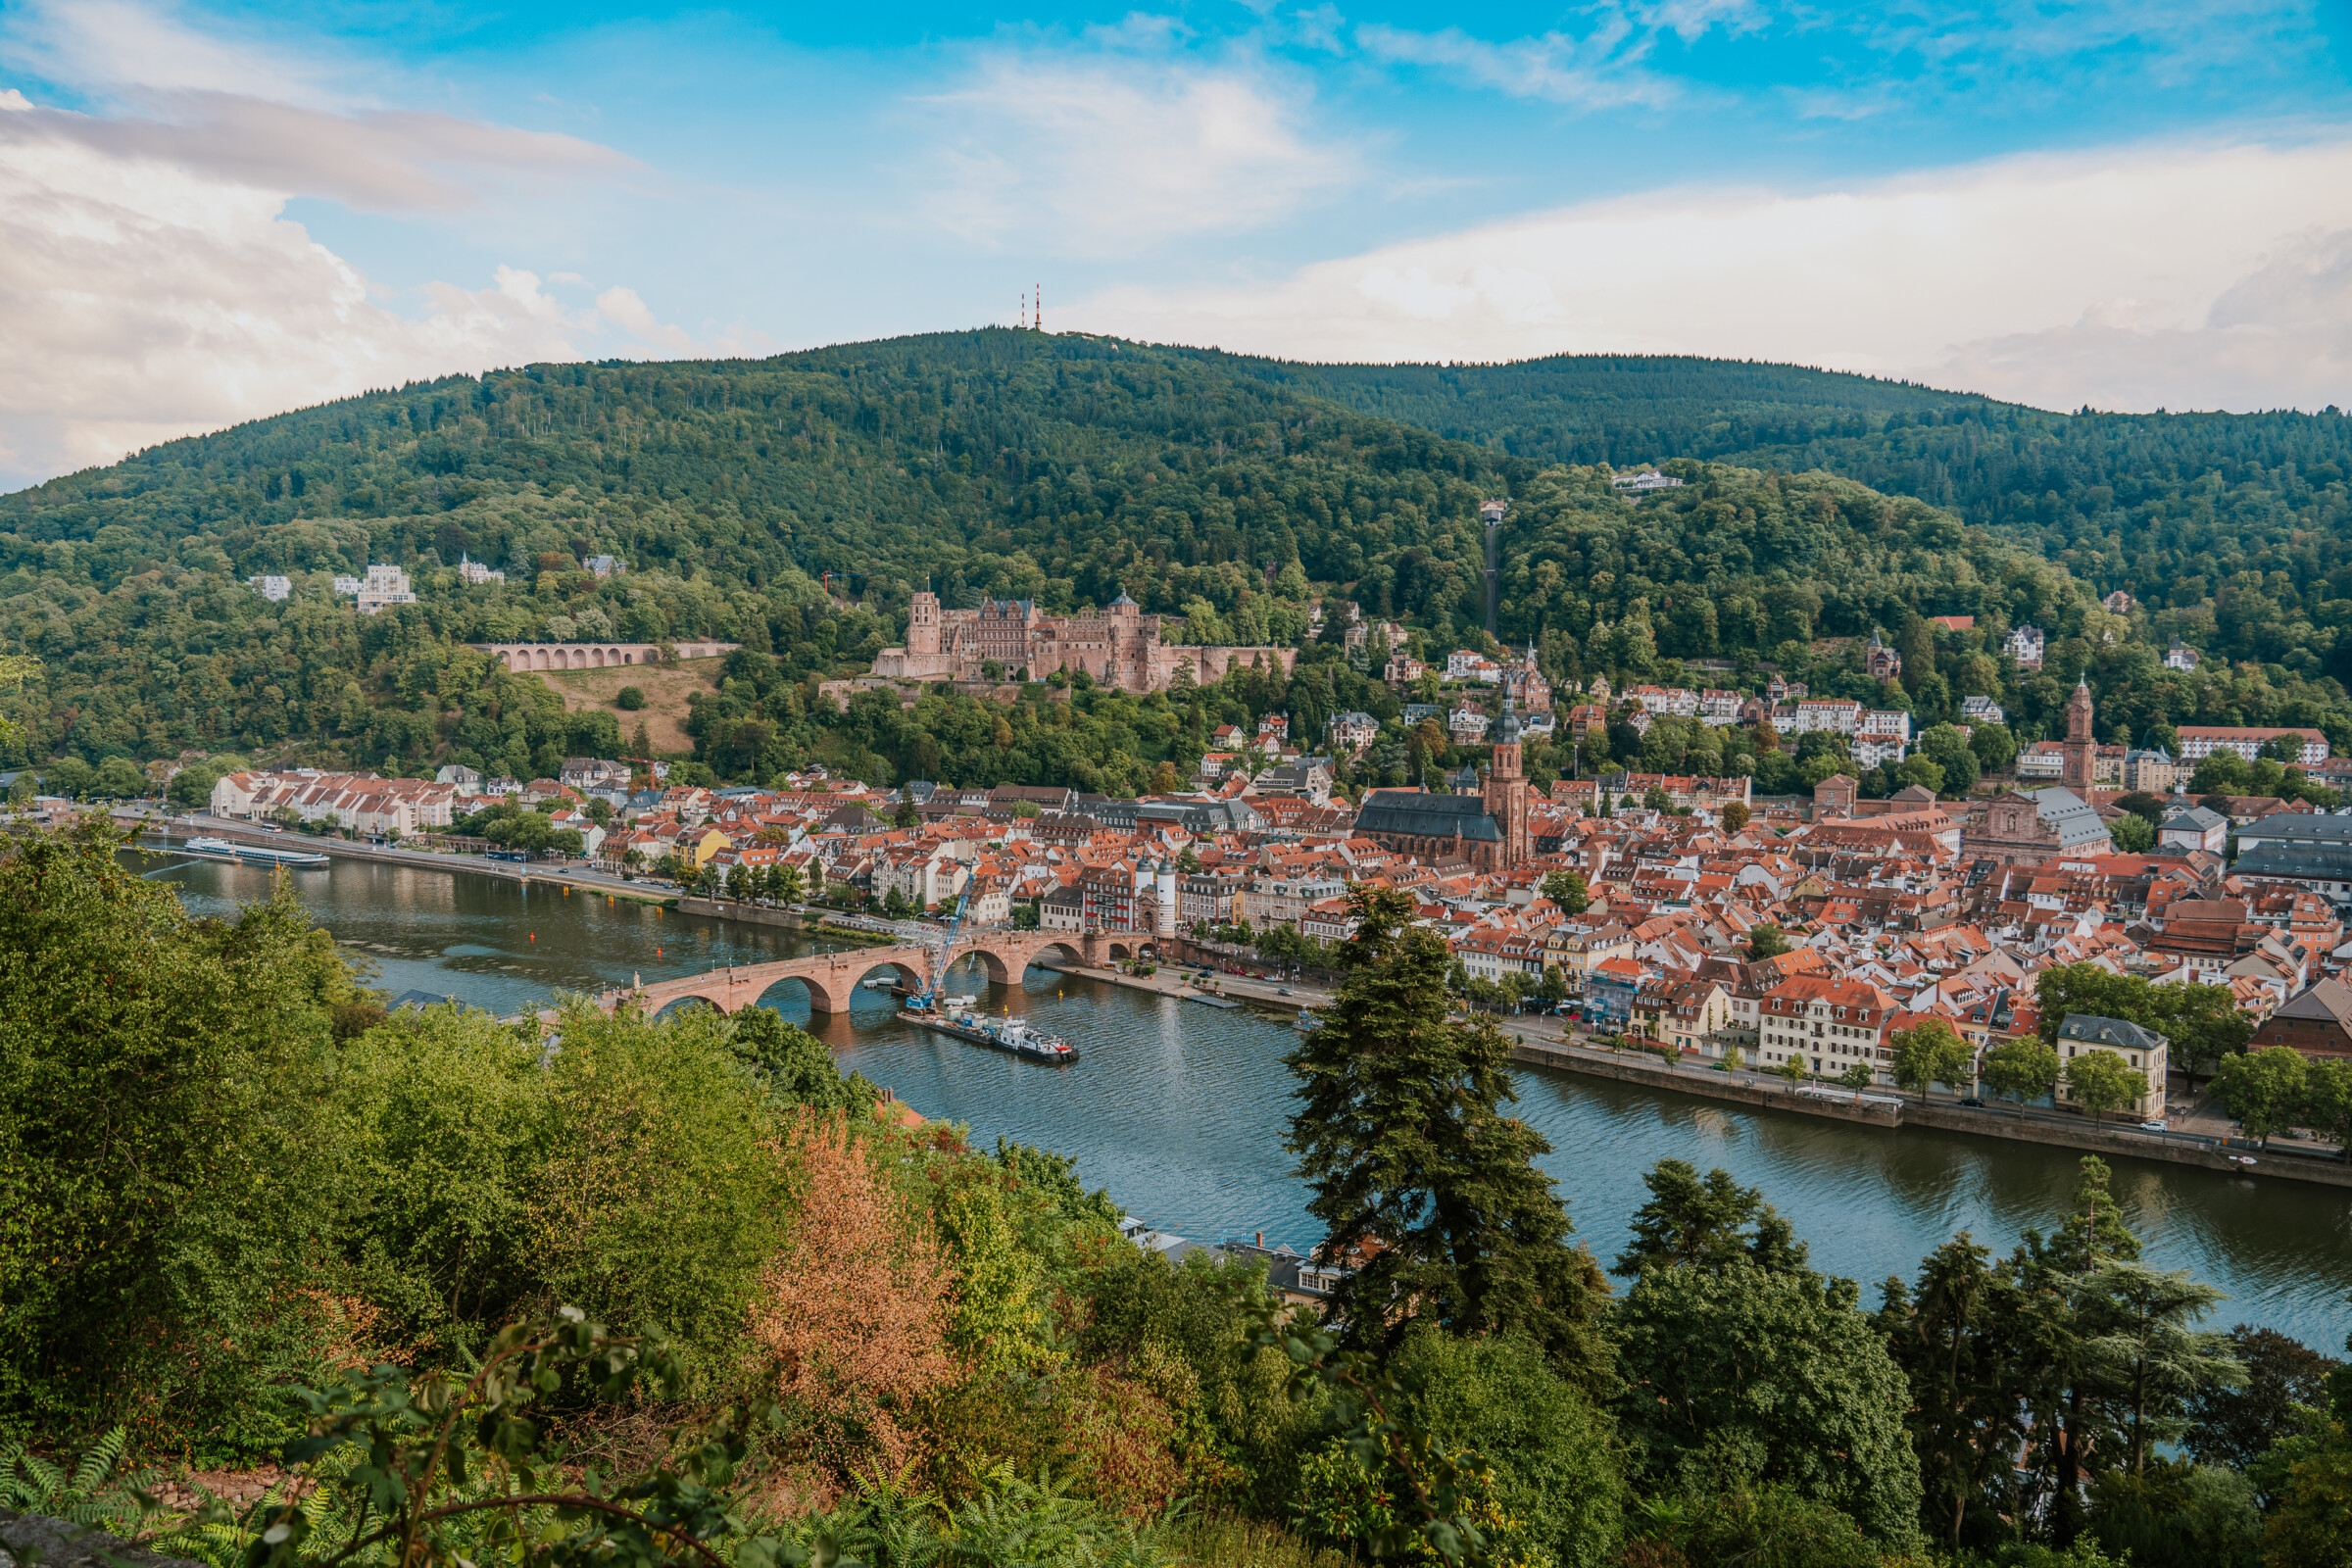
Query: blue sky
{"x":209,"y":213}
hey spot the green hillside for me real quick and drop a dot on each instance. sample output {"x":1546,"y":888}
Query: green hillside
{"x":1068,"y":470}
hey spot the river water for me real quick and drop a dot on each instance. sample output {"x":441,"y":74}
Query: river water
{"x":1179,"y":1109}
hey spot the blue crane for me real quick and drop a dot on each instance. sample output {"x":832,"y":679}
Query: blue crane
{"x":927,"y":999}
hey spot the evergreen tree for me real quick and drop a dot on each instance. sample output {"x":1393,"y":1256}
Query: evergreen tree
{"x":1706,"y":1223}
{"x":1955,"y":1336}
{"x":1420,"y":1181}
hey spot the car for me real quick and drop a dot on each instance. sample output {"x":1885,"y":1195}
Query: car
{"x":2156,"y":1126}
{"x":1282,"y":991}
{"x":1973,"y":1104}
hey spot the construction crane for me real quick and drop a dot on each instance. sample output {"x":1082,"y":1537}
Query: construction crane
{"x":946,"y":955}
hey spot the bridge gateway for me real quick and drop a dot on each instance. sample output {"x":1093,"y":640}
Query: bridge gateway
{"x":832,"y":978}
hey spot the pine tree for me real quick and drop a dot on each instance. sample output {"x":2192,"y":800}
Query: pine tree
{"x":1420,"y":1181}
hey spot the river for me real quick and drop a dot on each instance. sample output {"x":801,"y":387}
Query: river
{"x":1179,"y":1109}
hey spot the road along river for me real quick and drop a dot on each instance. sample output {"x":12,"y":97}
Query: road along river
{"x":1179,"y":1109}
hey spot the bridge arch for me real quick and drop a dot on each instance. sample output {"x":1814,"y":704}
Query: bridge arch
{"x":834,"y":987}
{"x":1005,"y":966}
{"x":672,"y":1005}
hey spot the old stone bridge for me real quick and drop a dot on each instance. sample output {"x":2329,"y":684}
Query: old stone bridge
{"x":832,"y":978}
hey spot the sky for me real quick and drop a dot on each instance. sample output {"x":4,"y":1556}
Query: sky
{"x":210,"y":214}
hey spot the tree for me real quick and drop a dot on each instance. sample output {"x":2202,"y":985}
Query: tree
{"x":2022,"y":1068}
{"x":1736,"y":816}
{"x":2328,"y":1102}
{"x":2133,"y":835}
{"x":1930,"y":1053}
{"x":68,"y":776}
{"x":738,"y":882}
{"x":1710,"y":1223}
{"x":1765,"y":940}
{"x":1994,"y":746}
{"x":118,"y":779}
{"x":1858,"y":1076}
{"x":2264,"y":1089}
{"x":2087,"y":987}
{"x":2156,"y":1361}
{"x":1767,"y":1376}
{"x":2099,"y":1082}
{"x":1956,"y":1336}
{"x":895,"y":904}
{"x":2201,"y":1023}
{"x":786,"y":883}
{"x":1555,"y":983}
{"x":907,"y":817}
{"x":2285,"y":1390}
{"x":160,"y":1078}
{"x":1401,"y":1137}
{"x":2066,"y":1383}
{"x":630,"y":698}
{"x":1568,"y":891}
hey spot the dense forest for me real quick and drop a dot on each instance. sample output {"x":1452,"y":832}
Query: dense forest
{"x":662,"y":1291}
{"x":794,"y":504}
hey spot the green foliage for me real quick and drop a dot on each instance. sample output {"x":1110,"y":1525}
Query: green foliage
{"x":1399,"y":1133}
{"x":2263,"y":1090}
{"x":2021,"y":1068}
{"x":796,"y":1065}
{"x":1768,"y":1526}
{"x":1765,"y":940}
{"x":2284,"y":1394}
{"x":1769,"y":1376}
{"x":98,"y":1491}
{"x":2099,"y":1082}
{"x":1710,"y":1223}
{"x":1550,"y":1452}
{"x":630,"y":698}
{"x":2179,"y":1516}
{"x":1931,"y":1053}
{"x":154,"y":1165}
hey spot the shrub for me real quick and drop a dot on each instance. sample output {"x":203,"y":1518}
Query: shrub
{"x":628,"y":699}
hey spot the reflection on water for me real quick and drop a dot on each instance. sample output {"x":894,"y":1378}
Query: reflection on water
{"x":1180,"y":1109}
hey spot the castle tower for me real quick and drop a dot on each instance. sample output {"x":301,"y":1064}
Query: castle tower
{"x":922,"y":626}
{"x":1506,"y":790}
{"x":2080,"y":747}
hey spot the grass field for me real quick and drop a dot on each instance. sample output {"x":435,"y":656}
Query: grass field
{"x":665,"y":686}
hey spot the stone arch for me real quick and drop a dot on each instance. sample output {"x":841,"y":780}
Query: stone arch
{"x":580,"y":658}
{"x":628,"y":658}
{"x":596,"y":659}
{"x":1121,"y":949}
{"x":690,"y":1000}
{"x":538,"y":659}
{"x":612,"y":656}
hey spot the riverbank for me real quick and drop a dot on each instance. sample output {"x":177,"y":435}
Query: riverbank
{"x":815,"y":923}
{"x":1767,"y":1092}
{"x":525,"y":873}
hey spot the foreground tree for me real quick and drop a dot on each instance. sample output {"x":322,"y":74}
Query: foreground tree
{"x":1708,"y":1223}
{"x":1955,"y":1336}
{"x":2263,"y":1090}
{"x":1420,"y":1181}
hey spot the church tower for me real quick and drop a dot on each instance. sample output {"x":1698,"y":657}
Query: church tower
{"x":1506,"y":790}
{"x":2080,"y":747}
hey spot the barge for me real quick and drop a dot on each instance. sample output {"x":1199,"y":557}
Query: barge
{"x":1004,"y":1034}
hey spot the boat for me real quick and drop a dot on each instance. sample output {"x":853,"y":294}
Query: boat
{"x":1306,"y":1019}
{"x":256,"y":853}
{"x":878,"y":984}
{"x":1005,"y":1034}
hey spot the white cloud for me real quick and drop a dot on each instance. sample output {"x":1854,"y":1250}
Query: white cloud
{"x":123,"y":47}
{"x":143,"y":300}
{"x":1595,"y":72}
{"x":2129,"y":278}
{"x":1103,"y":154}
{"x":376,"y":160}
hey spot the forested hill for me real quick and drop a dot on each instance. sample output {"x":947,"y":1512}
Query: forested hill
{"x":2167,"y":506}
{"x":1070,"y":468}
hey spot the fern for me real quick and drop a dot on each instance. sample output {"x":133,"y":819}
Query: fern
{"x":93,"y":1494}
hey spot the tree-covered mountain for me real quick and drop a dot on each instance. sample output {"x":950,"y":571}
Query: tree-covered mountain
{"x":793,"y":504}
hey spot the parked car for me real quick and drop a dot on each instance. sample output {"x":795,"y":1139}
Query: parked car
{"x":2156,"y":1126}
{"x":1973,"y":1104}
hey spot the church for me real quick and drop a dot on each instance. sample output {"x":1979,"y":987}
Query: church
{"x":1488,"y":830}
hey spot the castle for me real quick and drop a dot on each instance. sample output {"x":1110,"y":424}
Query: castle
{"x":1118,"y":646}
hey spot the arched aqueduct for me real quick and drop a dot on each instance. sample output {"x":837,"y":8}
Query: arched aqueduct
{"x":523,"y":656}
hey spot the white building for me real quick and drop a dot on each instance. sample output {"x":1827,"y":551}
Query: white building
{"x":1719,"y":708}
{"x":1644,"y":483}
{"x":472,"y":572}
{"x":1842,"y":715}
{"x":2181,"y":657}
{"x":1981,"y":711}
{"x":2199,"y":741}
{"x":1462,"y":663}
{"x":2026,"y":645}
{"x":383,"y":586}
{"x":274,"y":589}
{"x":2141,"y":1050}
